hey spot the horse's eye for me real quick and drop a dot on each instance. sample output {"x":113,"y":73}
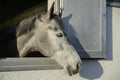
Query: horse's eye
{"x":59,"y":35}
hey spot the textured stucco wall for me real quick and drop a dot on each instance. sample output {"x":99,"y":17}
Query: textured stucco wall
{"x":101,"y":69}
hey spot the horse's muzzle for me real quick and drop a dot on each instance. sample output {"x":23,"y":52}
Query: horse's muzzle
{"x":73,"y":71}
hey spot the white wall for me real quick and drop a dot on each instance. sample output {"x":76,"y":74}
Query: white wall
{"x":101,"y":69}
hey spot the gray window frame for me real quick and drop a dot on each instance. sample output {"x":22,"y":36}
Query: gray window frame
{"x":102,"y":53}
{"x":25,"y":64}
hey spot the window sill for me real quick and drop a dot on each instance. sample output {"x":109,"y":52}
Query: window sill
{"x":24,"y":64}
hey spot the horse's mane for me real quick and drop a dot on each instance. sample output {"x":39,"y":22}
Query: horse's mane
{"x":25,"y":26}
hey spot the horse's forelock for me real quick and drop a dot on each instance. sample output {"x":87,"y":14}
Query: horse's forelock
{"x":27,"y":25}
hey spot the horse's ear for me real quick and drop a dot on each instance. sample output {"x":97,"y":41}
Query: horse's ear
{"x":50,"y":13}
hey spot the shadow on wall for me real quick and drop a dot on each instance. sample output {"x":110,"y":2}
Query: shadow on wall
{"x":72,"y":36}
{"x":91,"y":69}
{"x":109,"y":44}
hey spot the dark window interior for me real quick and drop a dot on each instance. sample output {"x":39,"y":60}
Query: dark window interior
{"x":9,"y":8}
{"x":118,"y":1}
{"x":113,"y":3}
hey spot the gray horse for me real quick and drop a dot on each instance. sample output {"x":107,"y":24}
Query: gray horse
{"x":44,"y":33}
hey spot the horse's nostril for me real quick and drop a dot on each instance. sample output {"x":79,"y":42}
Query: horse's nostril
{"x":72,"y":71}
{"x":59,"y":35}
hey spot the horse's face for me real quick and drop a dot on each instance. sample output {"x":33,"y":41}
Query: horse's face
{"x":49,"y":34}
{"x":54,"y":43}
{"x":46,"y":36}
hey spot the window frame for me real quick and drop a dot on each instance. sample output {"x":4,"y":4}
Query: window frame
{"x":92,"y":55}
{"x":25,"y":64}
